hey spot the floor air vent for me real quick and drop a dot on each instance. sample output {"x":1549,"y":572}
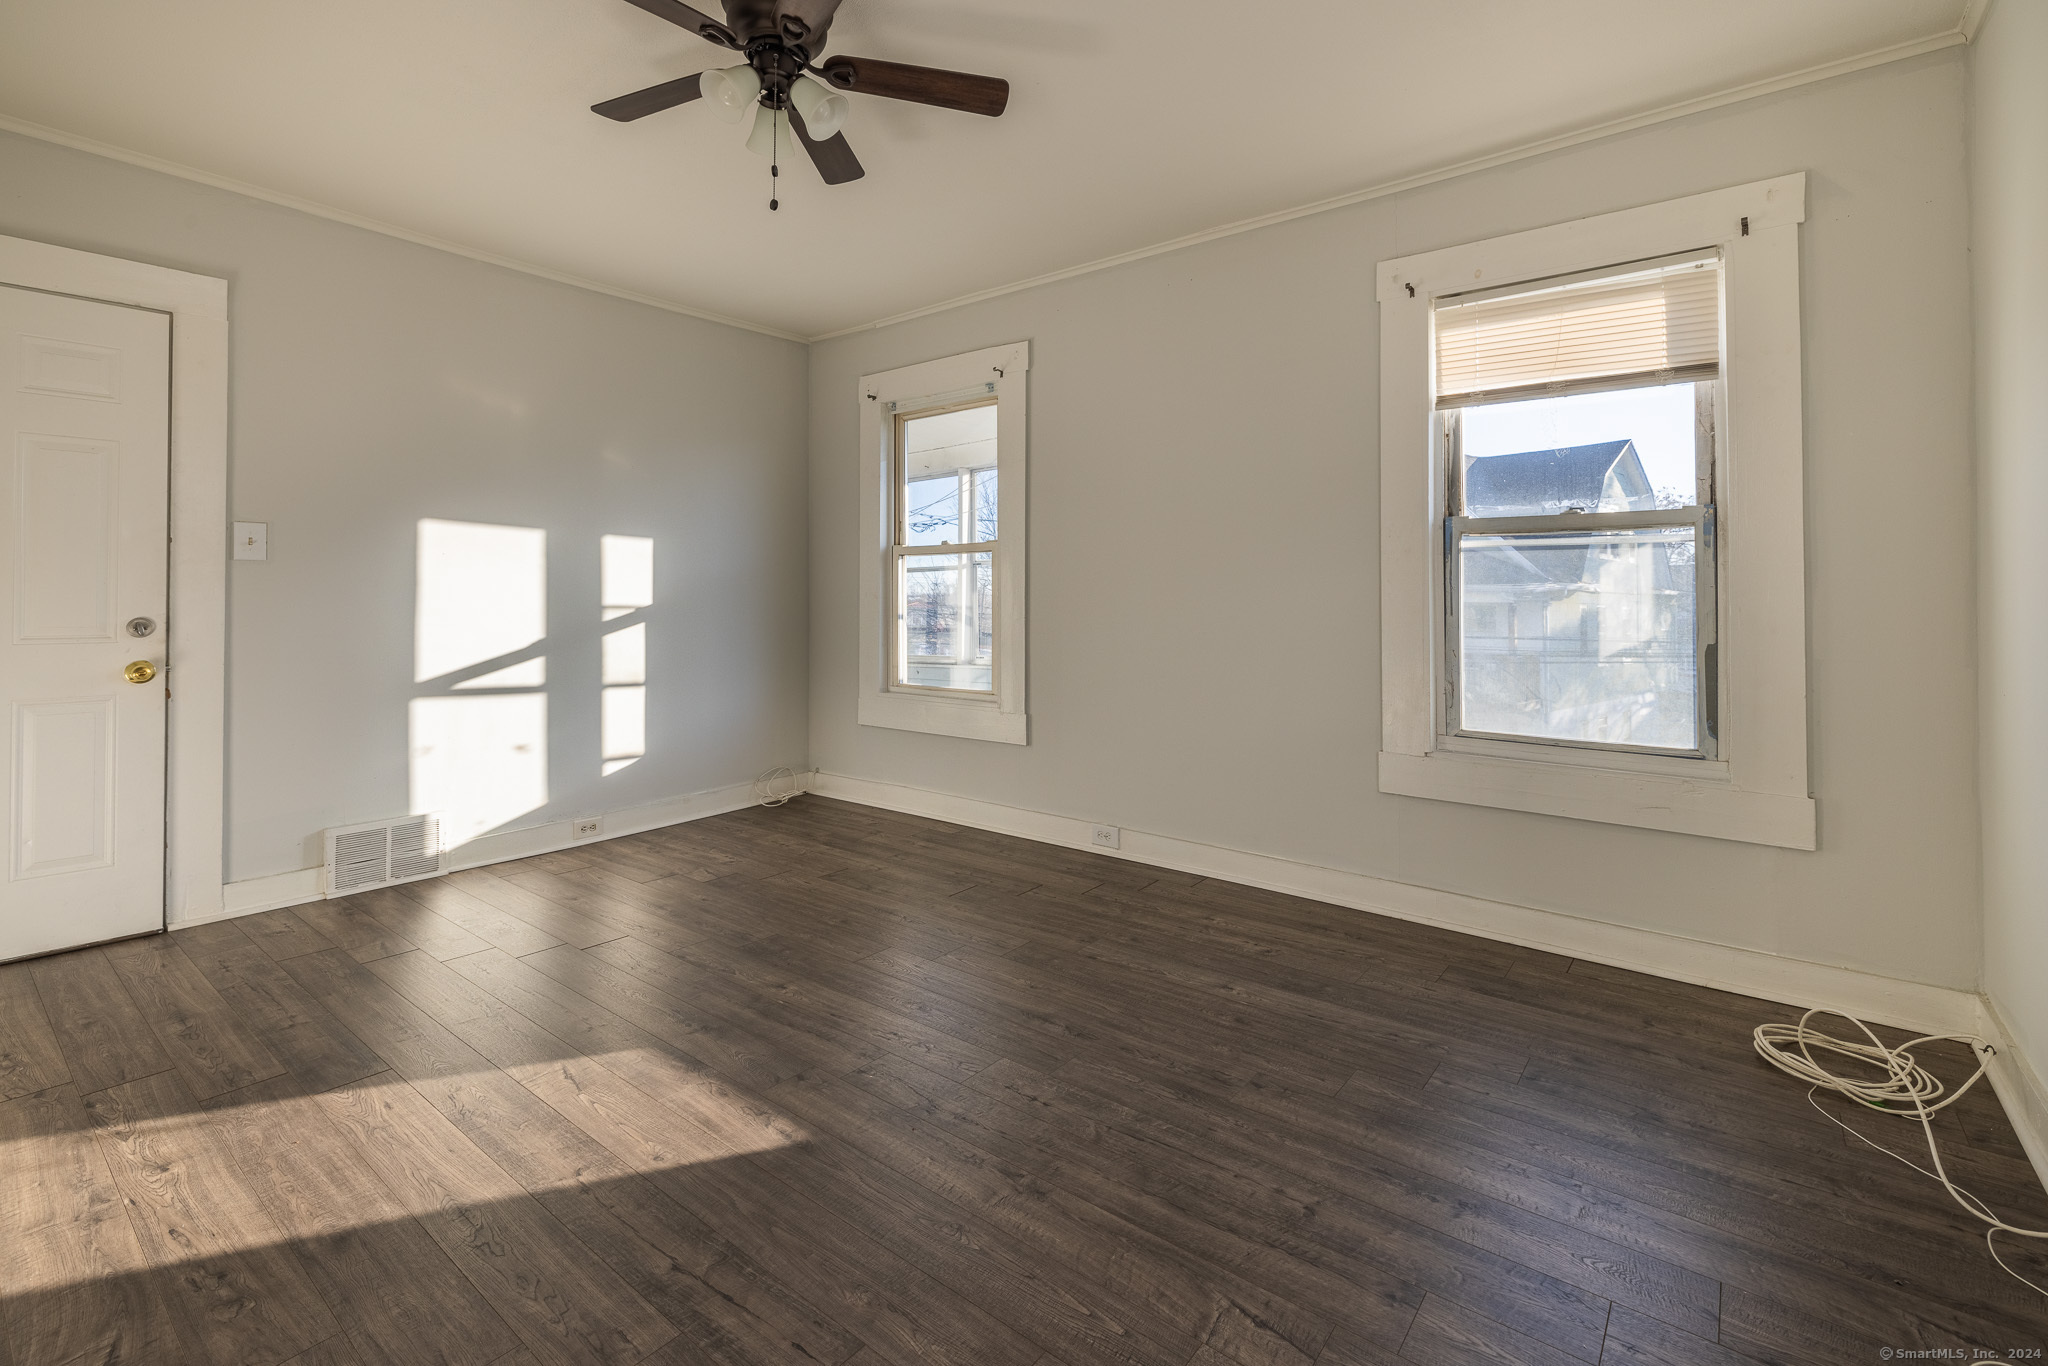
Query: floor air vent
{"x":360,"y":857}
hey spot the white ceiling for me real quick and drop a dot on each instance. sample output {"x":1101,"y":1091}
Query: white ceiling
{"x":1131,"y":122}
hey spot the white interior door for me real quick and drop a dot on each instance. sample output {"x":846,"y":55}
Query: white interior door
{"x":84,"y":505}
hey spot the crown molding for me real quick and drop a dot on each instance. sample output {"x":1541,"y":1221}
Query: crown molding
{"x":1973,"y":19}
{"x":1971,"y":16}
{"x":43,"y":133}
{"x":1898,"y":52}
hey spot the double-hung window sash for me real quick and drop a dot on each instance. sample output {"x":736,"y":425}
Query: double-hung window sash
{"x":1580,"y":599}
{"x":946,"y":550}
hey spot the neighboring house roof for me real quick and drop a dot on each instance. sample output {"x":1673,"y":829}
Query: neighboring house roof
{"x":1607,"y":477}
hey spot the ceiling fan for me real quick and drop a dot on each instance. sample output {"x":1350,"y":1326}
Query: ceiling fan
{"x":781,"y":40}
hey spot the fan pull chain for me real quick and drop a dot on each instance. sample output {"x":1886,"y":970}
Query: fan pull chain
{"x":774,"y":159}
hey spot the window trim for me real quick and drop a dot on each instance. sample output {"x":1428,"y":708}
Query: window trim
{"x":1755,"y":790}
{"x":935,"y":386}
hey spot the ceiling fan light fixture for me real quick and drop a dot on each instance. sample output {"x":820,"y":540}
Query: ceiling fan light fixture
{"x":766,"y":137}
{"x":731,"y":91}
{"x":822,"y":108}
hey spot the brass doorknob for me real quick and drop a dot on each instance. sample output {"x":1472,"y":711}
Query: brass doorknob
{"x":141,"y":671}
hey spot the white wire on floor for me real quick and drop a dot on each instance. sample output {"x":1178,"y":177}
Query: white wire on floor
{"x":775,"y":787}
{"x":1906,"y":1089}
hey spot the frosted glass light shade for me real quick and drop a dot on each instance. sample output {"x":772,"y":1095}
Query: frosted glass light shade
{"x":730,"y":91}
{"x":822,"y":109}
{"x":767,"y":136}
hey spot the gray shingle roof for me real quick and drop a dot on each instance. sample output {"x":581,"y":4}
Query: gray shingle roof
{"x":1532,"y":483}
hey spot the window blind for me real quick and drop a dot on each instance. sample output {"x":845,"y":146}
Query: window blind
{"x":1642,"y":325}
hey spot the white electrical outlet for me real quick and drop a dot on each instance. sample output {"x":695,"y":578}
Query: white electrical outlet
{"x":589,"y":827}
{"x":1108,"y":837}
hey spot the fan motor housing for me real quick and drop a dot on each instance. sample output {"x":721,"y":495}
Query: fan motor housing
{"x":797,"y":24}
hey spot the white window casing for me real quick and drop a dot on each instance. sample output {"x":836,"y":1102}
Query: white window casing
{"x":1002,"y":372}
{"x":1754,"y":788}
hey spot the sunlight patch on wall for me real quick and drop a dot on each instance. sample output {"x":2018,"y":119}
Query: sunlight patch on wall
{"x":479,"y":739}
{"x":479,"y":761}
{"x":482,"y":594}
{"x":625,"y":589}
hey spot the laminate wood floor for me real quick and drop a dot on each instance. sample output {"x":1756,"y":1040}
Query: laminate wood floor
{"x":828,"y":1085}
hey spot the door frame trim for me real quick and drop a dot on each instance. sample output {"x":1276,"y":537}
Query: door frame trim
{"x":195,"y":734}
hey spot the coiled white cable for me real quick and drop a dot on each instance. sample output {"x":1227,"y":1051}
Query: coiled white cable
{"x":775,"y":787}
{"x":1907,"y":1089}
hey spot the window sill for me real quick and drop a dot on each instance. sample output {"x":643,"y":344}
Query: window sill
{"x":967,"y":719}
{"x":1649,"y":801}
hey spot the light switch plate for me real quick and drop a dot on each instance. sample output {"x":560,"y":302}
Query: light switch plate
{"x":252,"y":540}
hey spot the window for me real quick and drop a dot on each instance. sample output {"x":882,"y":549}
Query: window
{"x":942,"y":585}
{"x":1577,"y":421}
{"x":1577,"y":424}
{"x":945,"y":483}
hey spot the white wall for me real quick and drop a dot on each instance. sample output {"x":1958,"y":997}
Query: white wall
{"x":376,"y":383}
{"x":1205,"y":553}
{"x":2009,"y":174}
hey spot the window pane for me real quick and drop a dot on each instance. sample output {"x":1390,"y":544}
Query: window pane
{"x":931,"y":511}
{"x":985,"y":505}
{"x":1620,"y":450}
{"x":949,"y":459}
{"x":944,"y":603}
{"x":1580,"y":636}
{"x":984,"y":609}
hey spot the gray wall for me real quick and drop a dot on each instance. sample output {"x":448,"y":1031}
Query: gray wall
{"x":1204,"y":557}
{"x":376,"y":383}
{"x":2009,"y":164}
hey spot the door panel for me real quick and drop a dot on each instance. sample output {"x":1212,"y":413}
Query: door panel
{"x":63,"y":786}
{"x":84,"y":418}
{"x":66,"y":528}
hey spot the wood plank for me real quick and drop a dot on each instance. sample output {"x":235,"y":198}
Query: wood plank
{"x":355,"y":1238}
{"x":353,"y":929}
{"x":214,"y":1047}
{"x":578,"y":931}
{"x":317,"y":1049}
{"x":1446,"y":1333}
{"x":500,"y":929}
{"x":281,"y":933}
{"x":1634,"y":1340}
{"x":87,"y":1294}
{"x":565,"y":1305}
{"x":333,"y":1352}
{"x":104,"y":1037}
{"x":236,"y":1290}
{"x":712,"y":1295}
{"x":413,"y":920}
{"x":53,"y":1176}
{"x":73,"y":1278}
{"x":30,"y":1059}
{"x":716,"y":1297}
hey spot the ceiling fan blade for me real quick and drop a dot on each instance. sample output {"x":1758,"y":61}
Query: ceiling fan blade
{"x":919,"y":84}
{"x":833,"y":157}
{"x":652,"y":100}
{"x":680,"y":14}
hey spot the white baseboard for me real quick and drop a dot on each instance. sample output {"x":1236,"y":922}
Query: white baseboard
{"x":2019,"y":1086}
{"x":1909,"y":1005}
{"x":1917,"y":1006}
{"x":301,"y":885}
